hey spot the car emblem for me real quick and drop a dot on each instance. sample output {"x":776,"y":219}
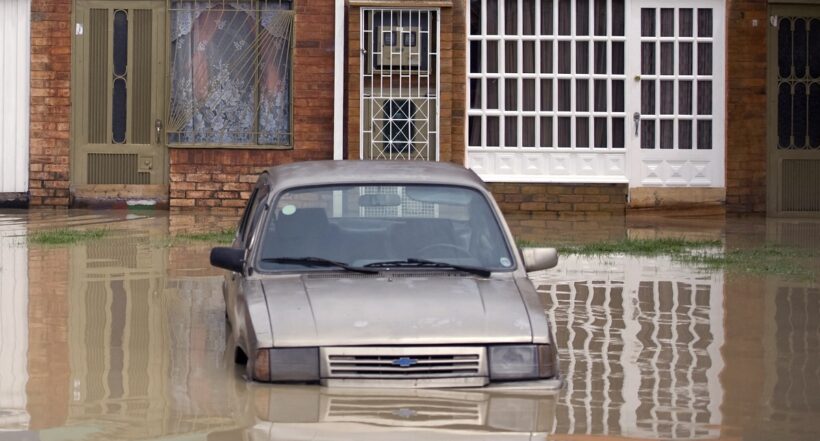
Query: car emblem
{"x":404,"y":362}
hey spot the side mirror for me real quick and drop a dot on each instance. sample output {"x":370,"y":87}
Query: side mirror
{"x":536,"y":259}
{"x":231,"y":259}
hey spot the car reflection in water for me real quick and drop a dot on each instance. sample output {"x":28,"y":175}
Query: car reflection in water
{"x":318,"y":413}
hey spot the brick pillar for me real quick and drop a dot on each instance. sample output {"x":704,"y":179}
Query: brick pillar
{"x":50,"y":102}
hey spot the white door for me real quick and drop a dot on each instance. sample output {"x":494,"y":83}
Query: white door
{"x":14,"y":94}
{"x":676,"y":85}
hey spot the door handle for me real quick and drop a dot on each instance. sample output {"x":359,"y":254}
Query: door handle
{"x":636,"y":118}
{"x":158,"y":128}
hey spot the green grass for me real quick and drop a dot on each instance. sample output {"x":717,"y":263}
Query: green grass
{"x":218,"y":237}
{"x":706,"y":254}
{"x":65,"y":236}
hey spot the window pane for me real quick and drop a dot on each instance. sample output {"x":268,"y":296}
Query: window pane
{"x":648,"y":134}
{"x":667,"y":133}
{"x":582,"y":57}
{"x":784,"y":116}
{"x":528,"y":131}
{"x":492,"y":93}
{"x":784,"y":47}
{"x":667,"y":59}
{"x":528,"y":15}
{"x":118,"y":110}
{"x":475,"y":93}
{"x":600,"y":57}
{"x":546,"y":94}
{"x":564,"y":90}
{"x":564,"y":57}
{"x":564,"y":17}
{"x":685,"y":134}
{"x":581,"y":131}
{"x":493,"y":131}
{"x":648,"y":97}
{"x":704,"y":22}
{"x":475,"y":57}
{"x":510,"y":131}
{"x":582,"y":95}
{"x":685,"y":97}
{"x":546,"y":131}
{"x":600,"y":96}
{"x":704,"y":97}
{"x":475,"y":17}
{"x":581,"y":17}
{"x":510,"y":94}
{"x":511,"y":17}
{"x":799,"y":120}
{"x":618,"y":133}
{"x":492,"y":11}
{"x":617,"y":58}
{"x":704,"y":58}
{"x":667,"y":22}
{"x":648,"y":58}
{"x":799,"y":50}
{"x":546,"y":56}
{"x":685,"y":58}
{"x":685,"y":22}
{"x":814,"y":115}
{"x":647,"y":22}
{"x":492,"y":56}
{"x":704,"y":135}
{"x":528,"y":56}
{"x":667,"y":97}
{"x":120,"y":42}
{"x":511,"y":57}
{"x":617,"y":95}
{"x":474,"y":138}
{"x":600,"y":132}
{"x":814,"y":49}
{"x":546,"y":17}
{"x":528,"y":94}
{"x":618,"y":18}
{"x":564,"y":129}
{"x":600,"y":17}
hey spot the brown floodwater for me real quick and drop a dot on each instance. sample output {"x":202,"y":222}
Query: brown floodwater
{"x":123,"y":338}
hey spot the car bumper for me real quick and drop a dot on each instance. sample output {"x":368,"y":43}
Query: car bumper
{"x":482,"y":383}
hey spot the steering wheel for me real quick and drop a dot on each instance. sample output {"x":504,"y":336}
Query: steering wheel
{"x":462,"y":252}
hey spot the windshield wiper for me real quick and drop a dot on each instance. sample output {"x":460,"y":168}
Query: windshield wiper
{"x":318,"y":261}
{"x":424,"y":263}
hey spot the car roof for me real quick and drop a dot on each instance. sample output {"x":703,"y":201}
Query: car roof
{"x":314,"y":173}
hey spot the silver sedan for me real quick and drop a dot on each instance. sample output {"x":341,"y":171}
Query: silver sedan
{"x":384,"y":274}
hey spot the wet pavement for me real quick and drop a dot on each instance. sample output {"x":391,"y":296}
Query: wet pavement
{"x":123,"y":338}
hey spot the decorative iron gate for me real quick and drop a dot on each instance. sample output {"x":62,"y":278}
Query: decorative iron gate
{"x":794,"y":109}
{"x":399,"y":84}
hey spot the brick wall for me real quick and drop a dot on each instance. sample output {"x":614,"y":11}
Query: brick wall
{"x":746,"y":106}
{"x":223,"y":178}
{"x":452,"y":87}
{"x":50,"y":102}
{"x":560,"y":201}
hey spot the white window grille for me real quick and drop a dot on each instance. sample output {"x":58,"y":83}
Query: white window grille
{"x":547,"y":90}
{"x":399,"y":84}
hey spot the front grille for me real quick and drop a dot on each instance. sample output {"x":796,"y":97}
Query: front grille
{"x":404,"y":410}
{"x":407,"y":362}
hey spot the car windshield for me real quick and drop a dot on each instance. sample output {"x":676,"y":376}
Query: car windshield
{"x":383,"y":226}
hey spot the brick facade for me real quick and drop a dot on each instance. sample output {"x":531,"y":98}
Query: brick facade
{"x":50,"y":102}
{"x":564,"y":201}
{"x":746,"y":105}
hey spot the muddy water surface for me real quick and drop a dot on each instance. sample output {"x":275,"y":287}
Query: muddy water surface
{"x":124,"y":338}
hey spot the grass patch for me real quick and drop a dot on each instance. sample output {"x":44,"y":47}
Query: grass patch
{"x":65,"y":236}
{"x":218,"y":237}
{"x":707,"y":254}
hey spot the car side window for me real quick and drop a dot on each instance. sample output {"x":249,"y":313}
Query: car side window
{"x":255,"y":213}
{"x":243,"y":223}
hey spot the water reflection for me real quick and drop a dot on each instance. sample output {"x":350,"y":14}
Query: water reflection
{"x":124,"y":338}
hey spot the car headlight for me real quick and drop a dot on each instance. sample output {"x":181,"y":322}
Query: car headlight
{"x":520,"y":362}
{"x":287,"y":364}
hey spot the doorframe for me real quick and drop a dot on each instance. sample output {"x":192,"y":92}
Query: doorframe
{"x":79,"y":105}
{"x":773,"y":159}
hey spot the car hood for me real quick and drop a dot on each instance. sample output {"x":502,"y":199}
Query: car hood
{"x":333,"y":310}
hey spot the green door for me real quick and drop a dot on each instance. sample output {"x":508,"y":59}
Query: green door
{"x":118,"y":90}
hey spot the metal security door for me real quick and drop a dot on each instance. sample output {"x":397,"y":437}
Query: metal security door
{"x":676,"y":134}
{"x":117,"y":80}
{"x":399,"y":84}
{"x":793,"y":91}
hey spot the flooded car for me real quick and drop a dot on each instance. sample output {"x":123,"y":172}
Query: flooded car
{"x":384,"y":274}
